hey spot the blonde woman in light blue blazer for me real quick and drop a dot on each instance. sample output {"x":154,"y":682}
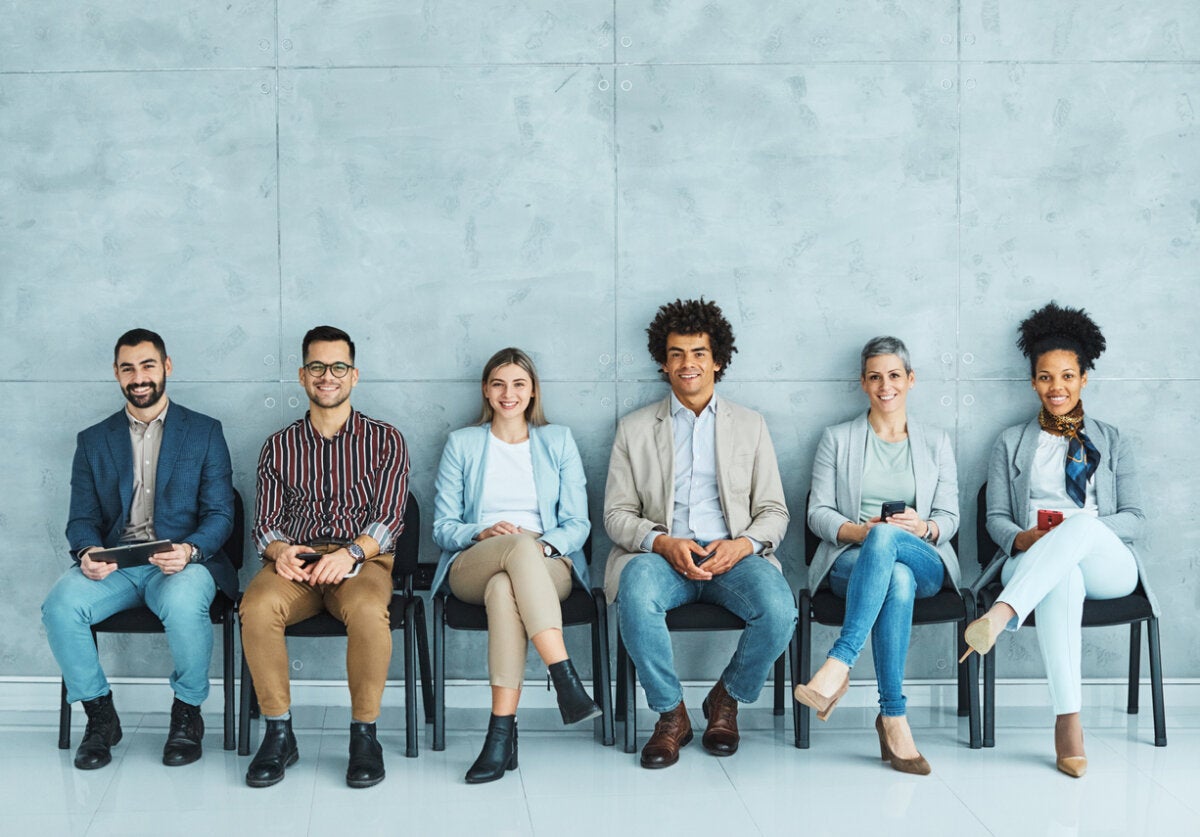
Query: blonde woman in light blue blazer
{"x":511,"y":519}
{"x":881,"y":566}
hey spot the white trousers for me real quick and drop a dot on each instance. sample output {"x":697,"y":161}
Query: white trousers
{"x":1080,"y":558}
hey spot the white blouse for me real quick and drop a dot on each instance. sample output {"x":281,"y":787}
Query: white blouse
{"x":508,"y":489}
{"x":1048,"y":481}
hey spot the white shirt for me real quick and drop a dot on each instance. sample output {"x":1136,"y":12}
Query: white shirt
{"x":508,"y":489}
{"x":1048,"y":481}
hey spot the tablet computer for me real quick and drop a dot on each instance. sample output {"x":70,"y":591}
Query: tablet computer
{"x":130,"y":555}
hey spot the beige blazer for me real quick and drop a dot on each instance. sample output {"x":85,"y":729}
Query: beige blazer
{"x":639,"y":496}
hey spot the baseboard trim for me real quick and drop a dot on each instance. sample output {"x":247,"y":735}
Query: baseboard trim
{"x":141,"y":694}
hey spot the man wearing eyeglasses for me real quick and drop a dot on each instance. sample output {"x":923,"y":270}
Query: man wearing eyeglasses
{"x":331,"y":493}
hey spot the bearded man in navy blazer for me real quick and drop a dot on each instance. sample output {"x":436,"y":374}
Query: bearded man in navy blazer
{"x":152,"y":471}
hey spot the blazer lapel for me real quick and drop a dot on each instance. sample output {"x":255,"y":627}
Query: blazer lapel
{"x":857,"y":454}
{"x":121,"y":449}
{"x":923,"y":468}
{"x":174,"y":432}
{"x":723,"y":432}
{"x":1022,"y":465}
{"x":1104,"y":483}
{"x":664,"y":443}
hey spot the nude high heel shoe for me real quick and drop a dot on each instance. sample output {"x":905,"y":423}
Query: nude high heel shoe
{"x":979,"y":638}
{"x":823,"y":704}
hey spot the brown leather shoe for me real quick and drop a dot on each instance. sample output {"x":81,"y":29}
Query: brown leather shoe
{"x":672,"y":731}
{"x":721,"y":736}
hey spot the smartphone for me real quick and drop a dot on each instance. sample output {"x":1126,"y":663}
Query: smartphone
{"x":703,"y":558}
{"x":1049,"y":518}
{"x":309,"y":557}
{"x":891,"y":507}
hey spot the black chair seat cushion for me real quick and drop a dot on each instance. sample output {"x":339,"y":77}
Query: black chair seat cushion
{"x":326,"y":624}
{"x":702,"y":616}
{"x":1096,"y":612}
{"x":141,"y":620}
{"x":579,"y":608}
{"x":946,"y":606}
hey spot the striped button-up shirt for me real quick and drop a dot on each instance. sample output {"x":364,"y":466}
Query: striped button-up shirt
{"x":311,"y":488}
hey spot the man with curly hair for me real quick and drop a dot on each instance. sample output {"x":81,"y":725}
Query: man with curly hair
{"x":694,"y":506}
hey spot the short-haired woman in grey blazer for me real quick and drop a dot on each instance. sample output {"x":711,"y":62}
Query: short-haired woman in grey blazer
{"x":1083,"y":471}
{"x":881,"y":566}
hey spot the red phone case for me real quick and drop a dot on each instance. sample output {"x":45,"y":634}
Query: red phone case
{"x":1049,"y":518}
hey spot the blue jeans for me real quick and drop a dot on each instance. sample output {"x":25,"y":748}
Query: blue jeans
{"x":181,"y":601}
{"x":879,"y":581}
{"x":753,"y":589}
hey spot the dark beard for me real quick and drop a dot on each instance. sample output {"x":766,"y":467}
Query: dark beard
{"x":149,"y":399}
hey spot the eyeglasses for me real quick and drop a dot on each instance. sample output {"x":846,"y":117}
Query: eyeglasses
{"x":317,"y":369}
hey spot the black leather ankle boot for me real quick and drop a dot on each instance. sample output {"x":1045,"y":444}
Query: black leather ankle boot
{"x":103,"y":732}
{"x":277,"y":752}
{"x":184,"y":740}
{"x":574,"y":703}
{"x":499,"y":751}
{"x":366,"y":757}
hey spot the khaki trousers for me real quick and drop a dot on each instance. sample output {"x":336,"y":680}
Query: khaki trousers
{"x":521,"y":589}
{"x":271,"y":603}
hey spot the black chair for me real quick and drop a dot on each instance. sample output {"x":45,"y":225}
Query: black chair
{"x":581,"y":607}
{"x":406,"y":611}
{"x":141,"y":620}
{"x":697,"y":616}
{"x":946,"y":606}
{"x":1131,"y":610}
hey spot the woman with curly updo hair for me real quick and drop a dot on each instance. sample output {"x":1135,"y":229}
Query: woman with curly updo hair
{"x":1063,"y":502}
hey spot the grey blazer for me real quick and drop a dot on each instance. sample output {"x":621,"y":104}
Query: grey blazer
{"x":1118,"y":493}
{"x":837,"y":489}
{"x":639,"y":496}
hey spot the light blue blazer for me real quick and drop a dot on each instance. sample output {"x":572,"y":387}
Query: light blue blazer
{"x":1118,"y":491}
{"x":558,"y":479}
{"x":837,"y":489}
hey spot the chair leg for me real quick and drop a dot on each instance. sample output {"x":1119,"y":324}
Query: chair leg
{"x":64,"y":720}
{"x":804,"y":727}
{"x":601,"y":676}
{"x":423,"y":660}
{"x":964,"y":699}
{"x":794,"y":650}
{"x":968,"y":679}
{"x":439,"y":673}
{"x":244,"y":713}
{"x":989,"y":699}
{"x":410,"y":678}
{"x":227,"y":648}
{"x":1135,"y":666}
{"x":779,"y":684}
{"x":1156,"y":685}
{"x":619,"y":710}
{"x":629,"y":675}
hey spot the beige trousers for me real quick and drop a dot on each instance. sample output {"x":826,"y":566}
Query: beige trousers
{"x":271,"y":603}
{"x":521,"y":589}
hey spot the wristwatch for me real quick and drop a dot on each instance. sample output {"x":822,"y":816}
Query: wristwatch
{"x":197,"y":556}
{"x":928,"y":536}
{"x":356,"y":552}
{"x":548,"y":550}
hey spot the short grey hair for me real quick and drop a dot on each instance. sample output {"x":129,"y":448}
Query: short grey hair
{"x":877,"y":346}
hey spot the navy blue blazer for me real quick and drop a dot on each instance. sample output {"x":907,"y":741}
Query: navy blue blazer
{"x":193,"y":496}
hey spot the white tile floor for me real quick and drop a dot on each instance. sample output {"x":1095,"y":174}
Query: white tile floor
{"x":568,"y":784}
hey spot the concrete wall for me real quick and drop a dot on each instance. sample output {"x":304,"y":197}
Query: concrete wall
{"x":443,"y":179}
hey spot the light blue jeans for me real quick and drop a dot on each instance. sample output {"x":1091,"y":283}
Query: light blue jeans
{"x":181,"y":601}
{"x":879,"y":580}
{"x":753,"y":589}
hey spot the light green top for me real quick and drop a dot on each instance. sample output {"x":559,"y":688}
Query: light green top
{"x":887,"y":475}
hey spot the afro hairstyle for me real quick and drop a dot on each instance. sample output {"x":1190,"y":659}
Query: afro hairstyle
{"x":692,"y":316}
{"x":1055,"y":327}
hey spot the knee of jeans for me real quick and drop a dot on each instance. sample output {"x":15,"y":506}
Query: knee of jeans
{"x":882,"y":536}
{"x":778,"y":607}
{"x":498,"y":590}
{"x":902,"y":586}
{"x":56,"y":611}
{"x":185,"y":600}
{"x":639,"y":583}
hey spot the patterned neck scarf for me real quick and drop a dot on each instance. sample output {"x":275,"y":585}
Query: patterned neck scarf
{"x":1082,"y":457}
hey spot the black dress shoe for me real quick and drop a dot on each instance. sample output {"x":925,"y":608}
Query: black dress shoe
{"x":366,"y":757}
{"x":277,"y":752}
{"x":184,"y":739}
{"x":499,"y":752}
{"x":103,"y":732}
{"x":574,"y":703}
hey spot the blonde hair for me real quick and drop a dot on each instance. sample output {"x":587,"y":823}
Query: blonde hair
{"x":533,"y":413}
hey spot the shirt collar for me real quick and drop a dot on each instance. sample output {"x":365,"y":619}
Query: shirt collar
{"x":352,"y":426}
{"x":677,"y":406}
{"x":159,"y":419}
